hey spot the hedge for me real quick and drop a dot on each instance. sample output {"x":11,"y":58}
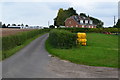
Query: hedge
{"x":9,"y":42}
{"x":62,"y":39}
{"x":97,"y":30}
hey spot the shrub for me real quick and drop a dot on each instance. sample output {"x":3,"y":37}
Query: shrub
{"x":97,"y":30}
{"x":9,"y":42}
{"x":62,"y":38}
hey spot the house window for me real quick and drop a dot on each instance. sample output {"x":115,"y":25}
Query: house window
{"x":86,"y":21}
{"x":69,"y":22}
{"x":81,"y":21}
{"x":91,"y":22}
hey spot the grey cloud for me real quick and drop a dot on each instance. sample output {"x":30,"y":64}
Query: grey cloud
{"x":57,"y":5}
{"x":104,"y":5}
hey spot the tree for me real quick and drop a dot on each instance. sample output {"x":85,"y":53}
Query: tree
{"x":60,"y":17}
{"x":13,"y":24}
{"x":51,"y":26}
{"x":71,"y":12}
{"x":97,"y":22}
{"x":18,"y":24}
{"x":8,"y":25}
{"x":63,"y":15}
{"x":4,"y":26}
{"x":22,"y":25}
{"x":83,"y":14}
{"x":117,"y":24}
{"x":26,"y":25}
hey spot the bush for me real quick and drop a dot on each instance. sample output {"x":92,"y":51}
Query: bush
{"x":9,"y":42}
{"x":97,"y":30}
{"x":62,"y":39}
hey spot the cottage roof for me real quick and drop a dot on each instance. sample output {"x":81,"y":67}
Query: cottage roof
{"x":76,"y":17}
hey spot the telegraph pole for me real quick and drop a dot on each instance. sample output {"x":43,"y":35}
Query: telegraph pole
{"x":48,"y":23}
{"x":114,"y":21}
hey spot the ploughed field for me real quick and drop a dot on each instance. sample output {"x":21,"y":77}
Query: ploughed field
{"x":11,"y":31}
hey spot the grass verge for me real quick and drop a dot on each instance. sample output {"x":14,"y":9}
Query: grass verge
{"x":101,"y":50}
{"x":14,"y":50}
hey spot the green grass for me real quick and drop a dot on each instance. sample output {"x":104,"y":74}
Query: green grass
{"x":101,"y":50}
{"x":16,"y":49}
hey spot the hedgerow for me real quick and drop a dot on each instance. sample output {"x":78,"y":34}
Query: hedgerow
{"x":97,"y":30}
{"x":9,"y":42}
{"x":62,"y":39}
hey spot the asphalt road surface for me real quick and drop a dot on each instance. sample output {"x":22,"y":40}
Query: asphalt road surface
{"x":33,"y":61}
{"x":30,"y":62}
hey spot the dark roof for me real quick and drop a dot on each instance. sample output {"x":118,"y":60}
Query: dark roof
{"x":76,"y":17}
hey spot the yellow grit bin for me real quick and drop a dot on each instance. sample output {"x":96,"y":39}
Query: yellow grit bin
{"x":81,"y":38}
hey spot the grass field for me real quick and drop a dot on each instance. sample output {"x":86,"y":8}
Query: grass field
{"x":101,"y":50}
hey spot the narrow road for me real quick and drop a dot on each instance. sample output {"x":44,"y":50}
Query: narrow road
{"x":33,"y":61}
{"x":30,"y":62}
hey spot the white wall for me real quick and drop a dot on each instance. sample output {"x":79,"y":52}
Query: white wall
{"x":29,"y":27}
{"x":82,"y":26}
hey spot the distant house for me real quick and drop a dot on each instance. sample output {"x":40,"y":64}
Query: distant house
{"x":19,"y":27}
{"x":79,"y":21}
{"x":26,"y":27}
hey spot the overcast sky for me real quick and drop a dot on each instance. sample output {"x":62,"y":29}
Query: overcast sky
{"x":39,"y":12}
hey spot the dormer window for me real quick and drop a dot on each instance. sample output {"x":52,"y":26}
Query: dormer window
{"x":86,"y":21}
{"x":75,"y":17}
{"x":91,"y":22}
{"x":83,"y":17}
{"x":81,"y":21}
